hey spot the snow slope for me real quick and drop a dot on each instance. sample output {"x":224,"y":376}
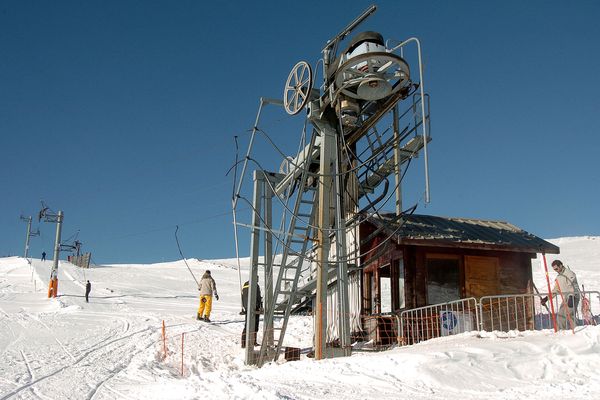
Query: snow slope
{"x":582,"y":254}
{"x":111,"y":348}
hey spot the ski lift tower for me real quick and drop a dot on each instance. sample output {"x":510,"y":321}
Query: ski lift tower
{"x":360,"y":138}
{"x":50,"y":216}
{"x":30,"y":233}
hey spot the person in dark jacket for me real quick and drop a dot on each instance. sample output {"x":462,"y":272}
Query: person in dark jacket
{"x":258,"y":308}
{"x":43,"y":256}
{"x":88,"y":289}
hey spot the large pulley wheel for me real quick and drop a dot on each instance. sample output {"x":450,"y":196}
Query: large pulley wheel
{"x":297,"y":88}
{"x":372,"y":76}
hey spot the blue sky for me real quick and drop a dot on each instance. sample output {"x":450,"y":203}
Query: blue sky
{"x":122,"y":113}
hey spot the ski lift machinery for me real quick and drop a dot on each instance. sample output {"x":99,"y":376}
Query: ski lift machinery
{"x":324,"y":190}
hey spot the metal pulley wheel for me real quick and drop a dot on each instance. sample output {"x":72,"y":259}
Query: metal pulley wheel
{"x":297,"y":88}
{"x":372,"y":76}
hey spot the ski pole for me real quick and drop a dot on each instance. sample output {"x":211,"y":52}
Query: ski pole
{"x":182,"y":335}
{"x":586,"y":309}
{"x":164,"y":340}
{"x":538,"y":292}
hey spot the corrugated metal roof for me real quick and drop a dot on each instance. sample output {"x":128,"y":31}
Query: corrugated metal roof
{"x":428,"y":230}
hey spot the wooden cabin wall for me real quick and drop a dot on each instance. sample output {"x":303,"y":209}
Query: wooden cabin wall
{"x":410,"y":277}
{"x":513,"y":275}
{"x":420,"y":283}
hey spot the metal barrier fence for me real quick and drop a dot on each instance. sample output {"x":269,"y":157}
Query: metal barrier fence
{"x":511,"y":312}
{"x":526,"y":311}
{"x":437,"y":320}
{"x":497,"y":313}
{"x":381,"y":331}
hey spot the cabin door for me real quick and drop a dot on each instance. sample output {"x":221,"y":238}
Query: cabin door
{"x":481,"y":276}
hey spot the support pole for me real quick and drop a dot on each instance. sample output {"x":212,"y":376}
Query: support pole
{"x":182,"y":336}
{"x":425,"y":128}
{"x":398,"y":166}
{"x":164,"y":338}
{"x":327,"y":158}
{"x":54,"y":272}
{"x":268,"y":285}
{"x":28,"y":234}
{"x":254,"y":261}
{"x":236,"y":195}
{"x":342,"y":257}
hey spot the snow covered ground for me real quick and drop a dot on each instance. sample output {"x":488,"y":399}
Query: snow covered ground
{"x":111,"y":348}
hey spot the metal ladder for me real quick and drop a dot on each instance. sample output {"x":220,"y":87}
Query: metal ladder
{"x":293,"y":261}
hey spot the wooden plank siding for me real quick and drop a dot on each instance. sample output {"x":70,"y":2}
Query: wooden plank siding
{"x":483,"y":271}
{"x":510,"y":275}
{"x":481,"y":276}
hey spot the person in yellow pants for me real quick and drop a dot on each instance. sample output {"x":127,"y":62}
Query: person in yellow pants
{"x":207,"y":288}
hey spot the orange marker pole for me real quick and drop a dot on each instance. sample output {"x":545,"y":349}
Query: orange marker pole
{"x":550,"y":293}
{"x":182,"y":353}
{"x":319,"y":334}
{"x":164,"y":340}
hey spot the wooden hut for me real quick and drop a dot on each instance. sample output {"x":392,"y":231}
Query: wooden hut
{"x":417,"y":260}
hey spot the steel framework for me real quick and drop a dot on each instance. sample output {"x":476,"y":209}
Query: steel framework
{"x":360,"y":137}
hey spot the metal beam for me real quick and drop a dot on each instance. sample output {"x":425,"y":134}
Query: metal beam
{"x":268,"y":260}
{"x":341,"y":256}
{"x":328,"y":147}
{"x":54,"y":271}
{"x":254,"y":257}
{"x":28,"y":219}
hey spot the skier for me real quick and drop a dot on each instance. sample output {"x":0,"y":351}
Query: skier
{"x":565,"y":283}
{"x":53,"y":284}
{"x":207,"y":288}
{"x":258,"y":308}
{"x":43,"y":256}
{"x":88,"y":289}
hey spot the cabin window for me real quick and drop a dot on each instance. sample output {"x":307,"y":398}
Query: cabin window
{"x":443,"y":279}
{"x":384,"y":288}
{"x":385,"y":282}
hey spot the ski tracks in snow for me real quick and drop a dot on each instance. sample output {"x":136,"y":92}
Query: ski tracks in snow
{"x":110,"y":357}
{"x":106,"y":357}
